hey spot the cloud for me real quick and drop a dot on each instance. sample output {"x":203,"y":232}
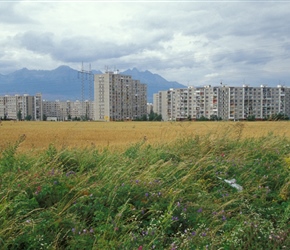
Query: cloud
{"x":9,"y":14}
{"x":184,"y":41}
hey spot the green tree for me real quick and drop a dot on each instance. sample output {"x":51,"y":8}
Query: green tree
{"x":202,"y":118}
{"x":19,"y":115}
{"x":154,"y":116}
{"x":214,"y":118}
{"x":44,"y":117}
{"x":251,"y":118}
{"x":278,"y":117}
{"x":28,"y":118}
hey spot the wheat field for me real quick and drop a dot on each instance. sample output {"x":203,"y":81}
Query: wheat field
{"x":119,"y":135}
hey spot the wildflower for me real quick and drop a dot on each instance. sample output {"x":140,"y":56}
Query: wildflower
{"x":224,"y":218}
{"x":178,"y":204}
{"x":85,"y":230}
{"x":140,"y":248}
{"x":203,"y":234}
{"x":199,"y":210}
{"x":175,"y":218}
{"x":193,"y":233}
{"x":91,"y":230}
{"x":73,"y":230}
{"x":159,"y":193}
{"x":137,"y":181}
{"x":146,"y":194}
{"x":38,"y":189}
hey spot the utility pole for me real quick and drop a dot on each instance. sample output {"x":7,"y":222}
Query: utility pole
{"x":86,"y":75}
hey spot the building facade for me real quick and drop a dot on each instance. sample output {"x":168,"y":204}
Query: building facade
{"x":118,"y":97}
{"x":21,"y":107}
{"x":67,"y":110}
{"x":224,"y":102}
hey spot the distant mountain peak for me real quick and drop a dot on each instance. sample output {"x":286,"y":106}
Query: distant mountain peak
{"x":64,"y":82}
{"x":63,"y":68}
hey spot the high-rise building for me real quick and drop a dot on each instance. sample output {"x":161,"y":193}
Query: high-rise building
{"x":227,"y":103}
{"x":21,"y":107}
{"x":119,"y":97}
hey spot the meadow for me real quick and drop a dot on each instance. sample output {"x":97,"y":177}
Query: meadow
{"x":119,"y":135}
{"x":188,"y":185}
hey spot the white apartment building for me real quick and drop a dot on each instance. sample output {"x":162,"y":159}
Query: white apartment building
{"x":227,"y":103}
{"x":65,"y":110}
{"x":118,"y":97}
{"x":28,"y":106}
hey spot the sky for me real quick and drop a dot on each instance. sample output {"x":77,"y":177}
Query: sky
{"x":191,"y":42}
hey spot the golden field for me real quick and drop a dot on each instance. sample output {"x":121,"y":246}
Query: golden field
{"x":119,"y":135}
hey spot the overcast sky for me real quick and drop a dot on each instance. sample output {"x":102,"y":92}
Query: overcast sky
{"x":192,"y":42}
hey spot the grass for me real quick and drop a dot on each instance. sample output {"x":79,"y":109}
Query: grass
{"x":149,"y":196}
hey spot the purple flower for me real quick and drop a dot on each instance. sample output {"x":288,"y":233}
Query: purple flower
{"x":224,"y":218}
{"x":178,"y":203}
{"x":203,"y":234}
{"x":91,"y":230}
{"x":146,"y":194}
{"x":73,"y":230}
{"x":193,"y":233}
{"x":199,"y":210}
{"x":175,"y":218}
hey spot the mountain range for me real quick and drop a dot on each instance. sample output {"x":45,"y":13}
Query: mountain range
{"x":65,"y":83}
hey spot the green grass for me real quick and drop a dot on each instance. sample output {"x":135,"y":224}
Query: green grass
{"x":170,"y":196}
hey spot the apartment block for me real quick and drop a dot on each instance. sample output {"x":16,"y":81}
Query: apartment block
{"x":30,"y":107}
{"x":225,"y":102}
{"x":65,"y":110}
{"x":118,"y":97}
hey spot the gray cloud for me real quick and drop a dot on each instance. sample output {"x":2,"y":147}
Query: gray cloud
{"x":183,"y":41}
{"x":81,"y":48}
{"x":10,"y":15}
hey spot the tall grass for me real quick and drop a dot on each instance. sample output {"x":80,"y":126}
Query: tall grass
{"x":167,"y":196}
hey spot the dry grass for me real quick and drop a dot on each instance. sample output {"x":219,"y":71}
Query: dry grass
{"x":117,"y":135}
